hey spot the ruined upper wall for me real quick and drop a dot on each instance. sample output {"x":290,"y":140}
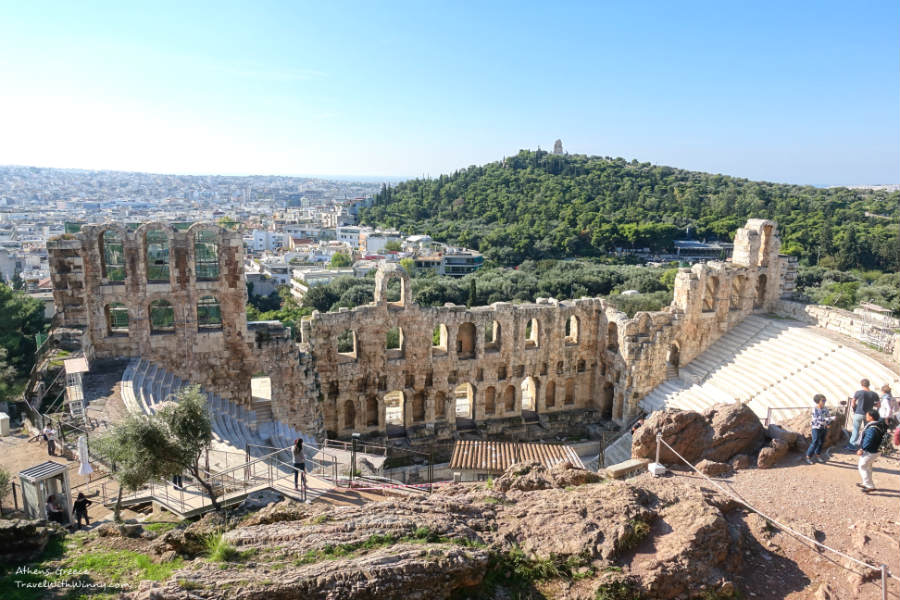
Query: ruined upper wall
{"x":506,"y":360}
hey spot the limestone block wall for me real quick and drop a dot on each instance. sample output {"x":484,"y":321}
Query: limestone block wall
{"x":453,"y":367}
{"x":847,"y":323}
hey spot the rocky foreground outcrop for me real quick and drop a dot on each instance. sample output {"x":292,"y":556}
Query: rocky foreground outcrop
{"x":664,"y":538}
{"x":717,"y":434}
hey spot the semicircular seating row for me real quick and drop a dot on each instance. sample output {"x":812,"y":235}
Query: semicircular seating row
{"x":770,"y":363}
{"x":146,"y":386}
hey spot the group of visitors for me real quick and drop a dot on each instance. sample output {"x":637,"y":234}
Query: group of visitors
{"x":873,"y":416}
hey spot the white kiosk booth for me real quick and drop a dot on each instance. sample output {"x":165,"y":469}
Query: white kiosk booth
{"x":39,"y":483}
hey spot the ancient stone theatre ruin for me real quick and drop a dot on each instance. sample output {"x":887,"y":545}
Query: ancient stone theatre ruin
{"x":176,"y":296}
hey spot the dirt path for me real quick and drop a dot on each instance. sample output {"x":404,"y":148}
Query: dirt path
{"x":825,"y":497}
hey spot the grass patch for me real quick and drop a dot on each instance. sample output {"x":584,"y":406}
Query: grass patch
{"x":319,"y":519}
{"x":119,"y":566}
{"x":160,"y":527}
{"x":516,"y":573}
{"x":618,"y":590}
{"x":637,"y":531}
{"x":220,"y":551}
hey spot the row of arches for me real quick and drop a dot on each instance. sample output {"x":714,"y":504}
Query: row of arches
{"x":509,"y":400}
{"x":157,"y":255}
{"x":162,"y":316}
{"x":466,"y":338}
{"x":736,"y":292}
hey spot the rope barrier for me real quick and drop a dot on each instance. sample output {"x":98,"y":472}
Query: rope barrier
{"x":882,"y":569}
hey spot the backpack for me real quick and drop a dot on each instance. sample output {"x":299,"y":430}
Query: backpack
{"x":877,"y":435}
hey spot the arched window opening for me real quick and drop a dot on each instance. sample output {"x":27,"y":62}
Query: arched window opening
{"x":116,"y":319}
{"x":112,"y":256}
{"x":532,"y":331}
{"x":490,"y":401}
{"x":760,"y":292}
{"x":492,"y":337}
{"x":550,"y":394}
{"x":393,"y":408}
{"x":463,"y":399}
{"x":440,"y":405}
{"x":372,"y":411}
{"x":206,"y":255}
{"x":570,"y":392}
{"x":394,"y":342}
{"x":529,"y":394}
{"x":465,"y":341}
{"x":572,"y":330}
{"x":439,"y":338}
{"x":737,"y":292}
{"x":209,"y":313}
{"x":346,"y":343}
{"x":612,"y":337}
{"x":418,"y":407}
{"x":349,"y":415}
{"x":157,"y":255}
{"x":162,"y":317}
{"x":509,"y":399}
{"x":711,"y":294}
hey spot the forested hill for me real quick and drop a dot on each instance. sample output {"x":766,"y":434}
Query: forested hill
{"x":542,"y":205}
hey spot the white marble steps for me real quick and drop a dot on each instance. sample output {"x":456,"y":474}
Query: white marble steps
{"x":769,"y":363}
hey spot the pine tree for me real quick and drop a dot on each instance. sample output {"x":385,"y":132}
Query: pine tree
{"x":472,"y":300}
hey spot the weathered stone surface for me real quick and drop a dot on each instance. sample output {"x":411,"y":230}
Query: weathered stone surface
{"x":686,"y":431}
{"x":741,"y":461}
{"x":802,"y":425}
{"x":714,"y":469}
{"x":22,"y":539}
{"x":735,"y":429}
{"x":776,"y":432}
{"x":722,"y":431}
{"x":772,"y":453}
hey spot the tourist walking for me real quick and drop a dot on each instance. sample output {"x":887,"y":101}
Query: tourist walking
{"x":177,"y":481}
{"x":299,"y":461}
{"x":869,"y":447}
{"x":863,"y":401}
{"x":80,"y":509}
{"x":820,"y":420}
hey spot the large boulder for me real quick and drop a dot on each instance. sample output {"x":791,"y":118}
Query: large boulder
{"x":717,"y":434}
{"x":686,"y":431}
{"x":735,"y":430}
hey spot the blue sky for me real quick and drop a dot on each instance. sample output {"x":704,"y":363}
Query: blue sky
{"x":781,"y":91}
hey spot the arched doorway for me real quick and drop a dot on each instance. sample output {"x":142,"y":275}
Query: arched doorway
{"x":490,"y":400}
{"x":673,"y":361}
{"x":349,"y":415}
{"x":418,"y":407}
{"x":394,"y":417}
{"x":509,"y":399}
{"x":529,"y":394}
{"x":464,"y":406}
{"x":372,"y":411}
{"x":550,"y":395}
{"x":440,"y":405}
{"x":760,"y":292}
{"x":570,"y":392}
{"x":606,"y":406}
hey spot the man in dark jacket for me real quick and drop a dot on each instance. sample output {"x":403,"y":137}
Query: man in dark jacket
{"x":869,"y":447}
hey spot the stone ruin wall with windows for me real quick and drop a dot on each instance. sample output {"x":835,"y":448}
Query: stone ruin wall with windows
{"x":491,"y":370}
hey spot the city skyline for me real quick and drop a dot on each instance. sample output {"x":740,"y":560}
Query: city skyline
{"x":805,"y":93}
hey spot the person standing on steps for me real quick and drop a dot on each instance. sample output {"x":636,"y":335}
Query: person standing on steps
{"x":820,"y":420}
{"x":868,"y":449}
{"x":863,"y":401}
{"x":299,"y":461}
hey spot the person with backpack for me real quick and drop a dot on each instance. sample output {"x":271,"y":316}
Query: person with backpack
{"x":869,"y":447}
{"x":863,"y":401}
{"x":299,"y":461}
{"x":820,"y":420}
